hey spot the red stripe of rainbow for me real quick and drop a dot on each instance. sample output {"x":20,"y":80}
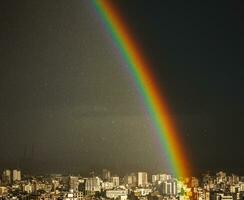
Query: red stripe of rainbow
{"x":145,"y":82}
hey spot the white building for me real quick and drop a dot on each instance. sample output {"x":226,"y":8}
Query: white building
{"x":169,"y":187}
{"x":16,"y":175}
{"x":164,"y":177}
{"x":73,"y":183}
{"x":155,"y":178}
{"x":131,"y":179}
{"x":6,"y":176}
{"x":114,"y":194}
{"x":93,"y":185}
{"x":142,"y":191}
{"x":107,"y":186}
{"x":142,"y":179}
{"x":106,"y":175}
{"x":115,"y":181}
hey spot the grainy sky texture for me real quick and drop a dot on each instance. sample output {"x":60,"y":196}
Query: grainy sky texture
{"x":68,"y":105}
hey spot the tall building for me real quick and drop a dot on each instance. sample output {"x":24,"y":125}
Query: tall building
{"x":115,"y":181}
{"x":106,"y":175}
{"x":92,"y":185}
{"x":6,"y":176}
{"x":169,"y":187}
{"x":16,"y":175}
{"x":142,"y":179}
{"x":73,"y":183}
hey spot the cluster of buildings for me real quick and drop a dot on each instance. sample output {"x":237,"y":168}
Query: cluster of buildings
{"x":135,"y":186}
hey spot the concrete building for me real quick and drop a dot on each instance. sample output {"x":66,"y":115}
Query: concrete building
{"x":92,"y":185}
{"x":169,"y":187}
{"x":107,"y":185}
{"x":73,"y":183}
{"x":142,"y":179}
{"x":130,"y":179}
{"x":115,"y":194}
{"x":106,"y":175}
{"x":115,"y":181}
{"x":155,"y":178}
{"x":16,"y":175}
{"x":6,"y":177}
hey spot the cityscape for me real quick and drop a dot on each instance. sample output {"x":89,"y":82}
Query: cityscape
{"x":121,"y":100}
{"x":134,"y":186}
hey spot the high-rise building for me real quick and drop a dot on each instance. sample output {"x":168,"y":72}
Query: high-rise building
{"x":73,"y":183}
{"x":142,"y":179}
{"x":6,"y":176}
{"x":92,"y":185}
{"x":169,"y":187}
{"x":16,"y":175}
{"x":130,"y":179}
{"x":115,"y":181}
{"x":106,"y":175}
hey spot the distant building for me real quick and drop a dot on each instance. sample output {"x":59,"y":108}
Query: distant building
{"x":3,"y":190}
{"x":29,"y":188}
{"x":221,"y":177}
{"x":169,"y":187}
{"x":107,"y":185}
{"x":159,"y":178}
{"x":142,"y":191}
{"x":115,"y":181}
{"x":6,"y":177}
{"x":115,"y":194}
{"x":155,"y":178}
{"x":130,"y":179}
{"x":16,"y":175}
{"x":164,"y":177}
{"x":73,"y":183}
{"x":142,"y":179}
{"x":106,"y":175}
{"x":92,"y":185}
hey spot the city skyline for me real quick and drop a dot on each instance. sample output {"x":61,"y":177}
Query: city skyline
{"x":221,"y":185}
{"x":69,"y":104}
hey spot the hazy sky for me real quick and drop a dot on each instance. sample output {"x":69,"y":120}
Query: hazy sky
{"x":68,"y":104}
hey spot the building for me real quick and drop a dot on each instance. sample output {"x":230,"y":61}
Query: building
{"x":131,"y":179}
{"x":16,"y":175}
{"x":73,"y":183}
{"x":92,"y":185}
{"x":106,"y":175}
{"x":164,"y":177}
{"x":155,"y":178}
{"x":142,"y":179}
{"x":142,"y":191}
{"x":115,"y":194}
{"x":3,"y":191}
{"x":6,"y":177}
{"x":169,"y":187}
{"x":115,"y":181}
{"x":107,"y":185}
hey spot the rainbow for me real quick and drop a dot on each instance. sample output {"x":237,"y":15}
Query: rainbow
{"x":155,"y":104}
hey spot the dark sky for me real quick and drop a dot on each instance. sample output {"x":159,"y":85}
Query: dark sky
{"x":68,"y":105}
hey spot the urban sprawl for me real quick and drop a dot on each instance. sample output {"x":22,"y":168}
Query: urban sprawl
{"x":135,"y":186}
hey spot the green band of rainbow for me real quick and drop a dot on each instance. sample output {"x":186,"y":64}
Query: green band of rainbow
{"x":146,"y":84}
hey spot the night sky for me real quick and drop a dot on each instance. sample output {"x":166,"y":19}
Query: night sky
{"x":68,"y":105}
